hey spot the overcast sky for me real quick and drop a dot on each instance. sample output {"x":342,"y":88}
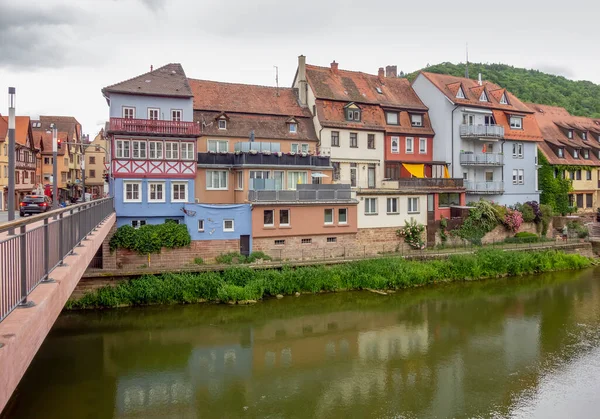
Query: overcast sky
{"x":60,"y":53}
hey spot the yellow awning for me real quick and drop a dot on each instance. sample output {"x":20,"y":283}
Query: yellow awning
{"x":417,"y":170}
{"x":446,"y":173}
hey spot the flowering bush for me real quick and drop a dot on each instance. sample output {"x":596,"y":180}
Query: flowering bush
{"x":513,"y":220}
{"x":412,"y":234}
{"x":537,"y":211}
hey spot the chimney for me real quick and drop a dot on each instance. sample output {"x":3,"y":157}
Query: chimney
{"x":391,"y":71}
{"x":381,"y":74}
{"x":334,"y":67}
{"x":479,"y":80}
{"x":151,"y":67}
{"x":302,"y":84}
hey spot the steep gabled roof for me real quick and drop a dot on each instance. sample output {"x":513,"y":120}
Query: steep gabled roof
{"x":246,"y":98}
{"x":22,"y":130}
{"x":169,"y":80}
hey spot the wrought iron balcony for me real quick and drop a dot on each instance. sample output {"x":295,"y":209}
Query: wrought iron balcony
{"x":154,"y":127}
{"x":424,"y":183}
{"x":261,"y":159}
{"x":468,"y":158}
{"x":484,"y":188}
{"x":482,"y":131}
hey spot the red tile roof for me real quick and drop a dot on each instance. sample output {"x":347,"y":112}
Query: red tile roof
{"x":3,"y":128}
{"x":22,"y":128}
{"x":331,"y":114}
{"x":169,"y":80}
{"x":246,"y":98}
{"x":355,"y":86}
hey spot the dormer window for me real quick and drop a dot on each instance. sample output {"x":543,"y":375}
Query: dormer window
{"x":503,"y":99}
{"x":516,"y":122}
{"x":352,"y":112}
{"x":586,"y":154}
{"x":483,"y":97}
{"x":391,"y":118}
{"x":460,"y":94}
{"x":222,"y":124}
{"x":575,"y":153}
{"x":293,"y":127}
{"x":561,"y":152}
{"x":416,"y":120}
{"x":584,"y":136}
{"x":570,"y":134}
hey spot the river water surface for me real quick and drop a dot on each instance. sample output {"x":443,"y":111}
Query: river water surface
{"x":526,"y":347}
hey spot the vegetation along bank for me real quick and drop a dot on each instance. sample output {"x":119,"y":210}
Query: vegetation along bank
{"x":242,"y":284}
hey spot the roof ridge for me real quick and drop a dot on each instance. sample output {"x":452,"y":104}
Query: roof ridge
{"x":141,"y":75}
{"x":241,"y":84}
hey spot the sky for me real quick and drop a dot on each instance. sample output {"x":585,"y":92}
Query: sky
{"x":59,"y":54}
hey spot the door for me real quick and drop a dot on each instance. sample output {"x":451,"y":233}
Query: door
{"x":245,"y":245}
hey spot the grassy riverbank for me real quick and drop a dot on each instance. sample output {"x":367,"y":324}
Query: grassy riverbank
{"x":242,"y":283}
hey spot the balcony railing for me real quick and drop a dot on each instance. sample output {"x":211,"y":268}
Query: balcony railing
{"x":424,"y":183}
{"x":259,"y":159}
{"x":481,"y":131}
{"x":149,"y":126}
{"x":484,"y":187}
{"x":481,"y":159}
{"x":302,"y":195}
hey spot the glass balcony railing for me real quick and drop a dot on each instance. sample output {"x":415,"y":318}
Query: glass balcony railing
{"x":481,"y":131}
{"x":483,"y":187}
{"x":468,"y":158}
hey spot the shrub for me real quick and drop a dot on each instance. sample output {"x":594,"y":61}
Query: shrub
{"x":578,"y":228}
{"x":525,"y":237}
{"x":230,"y":258}
{"x":527,"y":212}
{"x":482,"y":219}
{"x":199,"y":261}
{"x":513,"y":220}
{"x":150,"y":238}
{"x":545,"y":218}
{"x":254,"y":256}
{"x":412,"y":233}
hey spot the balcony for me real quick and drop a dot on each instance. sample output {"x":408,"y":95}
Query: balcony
{"x":482,"y":131}
{"x":468,"y":158}
{"x":154,"y":127}
{"x":484,"y":188}
{"x":423,"y":183}
{"x":302,"y":195}
{"x":262,"y":159}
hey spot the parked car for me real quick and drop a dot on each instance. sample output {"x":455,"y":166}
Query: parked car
{"x":34,"y":204}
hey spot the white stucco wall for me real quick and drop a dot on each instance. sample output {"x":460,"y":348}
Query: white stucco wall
{"x":382,"y":219}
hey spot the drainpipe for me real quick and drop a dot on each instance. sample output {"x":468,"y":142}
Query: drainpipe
{"x":452,"y":154}
{"x":502,"y":150}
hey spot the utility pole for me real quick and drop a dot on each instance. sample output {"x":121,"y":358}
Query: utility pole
{"x":54,"y":167}
{"x":11,"y":153}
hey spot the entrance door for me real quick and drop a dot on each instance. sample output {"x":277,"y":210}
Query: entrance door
{"x":245,"y":245}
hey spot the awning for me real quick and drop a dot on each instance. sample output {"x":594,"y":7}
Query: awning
{"x":319,"y":175}
{"x":446,"y":173}
{"x":417,"y":170}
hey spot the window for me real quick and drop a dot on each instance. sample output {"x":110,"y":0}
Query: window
{"x":335,"y":138}
{"x":516,"y":122}
{"x":299,"y":148}
{"x":179,"y":191}
{"x":306,"y":241}
{"x":575,"y":154}
{"x":336,"y":170}
{"x":279,"y":179}
{"x":517,"y":150}
{"x":460,"y":94}
{"x":521,"y":177}
{"x":156,"y":149}
{"x":586,"y":154}
{"x":293,"y":128}
{"x":331,"y":239}
{"x":201,"y":226}
{"x":284,"y":217}
{"x":132,"y":192}
{"x":353,"y":115}
{"x":295,"y":178}
{"x":216,"y":179}
{"x":371,"y":176}
{"x":447,"y":199}
{"x":279,"y":242}
{"x":48,"y":160}
{"x":570,"y":134}
{"x":128,"y":113}
{"x":353,"y":140}
{"x":370,"y":206}
{"x":588,"y":175}
{"x":138,"y":223}
{"x":483,"y":97}
{"x":187,"y":151}
{"x":268,"y":218}
{"x":371,"y":141}
{"x":416,"y":120}
{"x":579,"y":200}
{"x":343,"y":216}
{"x":328,"y":215}
{"x":153,"y":114}
{"x":139,"y":149}
{"x":63,"y":177}
{"x":171,"y":150}
{"x":503,"y":99}
{"x":395,"y":145}
{"x":353,"y":174}
{"x":176,"y":114}
{"x":222,"y":124}
{"x":92,"y":173}
{"x":239,"y":180}
{"x":122,"y":150}
{"x":92,"y":159}
{"x":391,"y":118}
{"x":572,"y":175}
{"x":228,"y":226}
{"x":561,"y":152}
{"x":413,"y":205}
{"x":515,"y":174}
{"x":218,"y":146}
{"x":392,"y":205}
{"x":156,"y":192}
{"x":422,"y":145}
{"x":589,"y":200}
{"x":584,"y":136}
{"x":578,"y":174}
{"x":409,"y":145}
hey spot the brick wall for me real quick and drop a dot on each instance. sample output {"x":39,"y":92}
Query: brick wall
{"x":496,"y":235}
{"x":294,"y":249}
{"x":382,"y":240}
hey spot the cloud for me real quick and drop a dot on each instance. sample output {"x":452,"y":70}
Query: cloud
{"x":154,"y":5}
{"x":556,"y":69}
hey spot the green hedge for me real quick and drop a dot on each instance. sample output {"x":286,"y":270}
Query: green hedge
{"x":241,"y":283}
{"x":150,"y":238}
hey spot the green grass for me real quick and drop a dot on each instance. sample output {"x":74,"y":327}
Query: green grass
{"x":241,"y":283}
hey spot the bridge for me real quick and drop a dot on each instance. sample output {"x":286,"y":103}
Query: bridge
{"x":42,"y":258}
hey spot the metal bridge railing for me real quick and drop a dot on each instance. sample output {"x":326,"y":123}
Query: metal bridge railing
{"x":30,"y":248}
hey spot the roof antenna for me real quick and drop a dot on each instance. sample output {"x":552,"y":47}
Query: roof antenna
{"x":151,"y":67}
{"x":277,"y":79}
{"x":467,"y":65}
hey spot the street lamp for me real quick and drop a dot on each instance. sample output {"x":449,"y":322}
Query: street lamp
{"x":54,"y":165}
{"x":11,"y":153}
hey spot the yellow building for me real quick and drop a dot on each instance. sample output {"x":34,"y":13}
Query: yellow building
{"x":95,"y":159}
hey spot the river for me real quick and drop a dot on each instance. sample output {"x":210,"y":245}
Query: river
{"x":518,"y":347}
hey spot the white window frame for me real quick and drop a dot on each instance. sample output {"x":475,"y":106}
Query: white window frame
{"x":230,"y":229}
{"x":397,"y":119}
{"x":518,"y":150}
{"x":186,"y":150}
{"x":158,"y":150}
{"x":394,"y":202}
{"x":293,"y":127}
{"x":185,"y":188}
{"x":209,"y":175}
{"x":152,"y":111}
{"x":217,"y":146}
{"x":137,"y":223}
{"x":395,"y":149}
{"x":575,"y":154}
{"x":483,"y":96}
{"x":120,"y":149}
{"x":410,"y":150}
{"x":150,"y":184}
{"x":513,"y":122}
{"x":201,"y":226}
{"x":369,"y":210}
{"x":503,"y":99}
{"x":126,"y":110}
{"x":289,"y":217}
{"x":411,"y":202}
{"x":345,"y":216}
{"x":570,"y":134}
{"x":460,"y":94}
{"x":171,"y":150}
{"x":561,"y":152}
{"x":515,"y":174}
{"x":176,"y":115}
{"x":142,"y":150}
{"x":272,"y":224}
{"x":325,"y":216}
{"x":239,"y":180}
{"x":584,"y":136}
{"x":224,"y":121}
{"x":139,"y":190}
{"x":521,"y":178}
{"x":416,"y":120}
{"x":423,"y":141}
